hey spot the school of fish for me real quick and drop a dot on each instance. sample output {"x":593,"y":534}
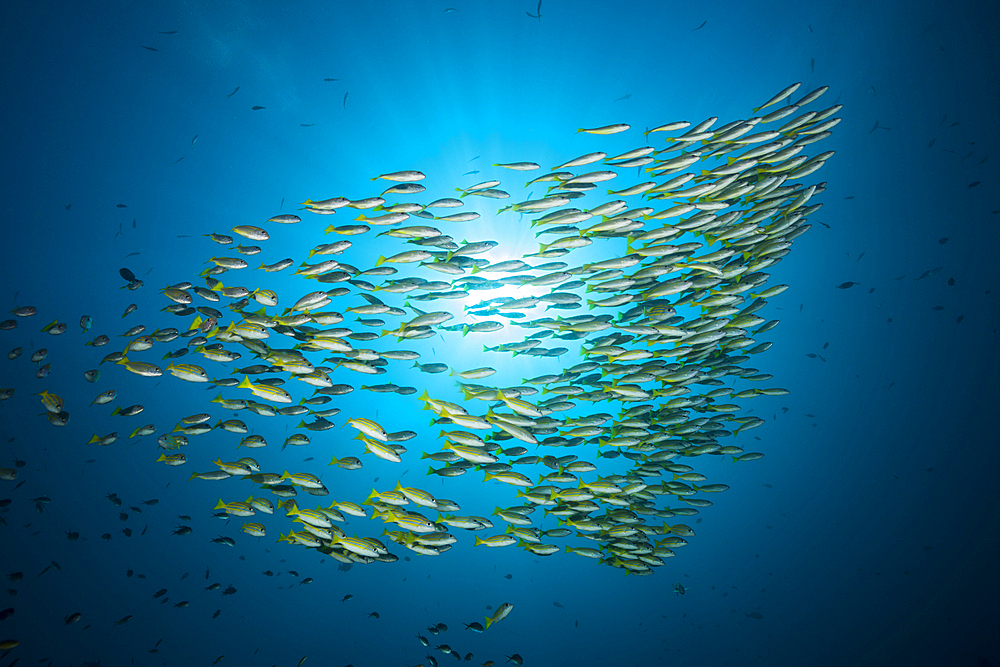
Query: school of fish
{"x":668,"y":278}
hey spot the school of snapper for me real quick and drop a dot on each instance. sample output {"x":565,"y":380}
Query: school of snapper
{"x":666,"y":323}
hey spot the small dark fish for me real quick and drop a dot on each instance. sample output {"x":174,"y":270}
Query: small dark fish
{"x":475,"y":158}
{"x":307,"y":124}
{"x":450,"y":10}
{"x":128,"y":572}
{"x":701,"y":26}
{"x":122,"y":621}
{"x":974,"y":184}
{"x":847,"y":284}
{"x":471,"y":173}
{"x":150,"y":48}
{"x":73,"y":618}
{"x":177,"y":160}
{"x":127,"y":531}
{"x":126,"y":274}
{"x":558,"y":605}
{"x":233,"y":93}
{"x":151,"y":501}
{"x":6,"y":613}
{"x":120,"y":206}
{"x":624,"y":97}
{"x":167,"y":32}
{"x":328,"y":79}
{"x":756,"y":615}
{"x":282,"y":203}
{"x":951,"y":282}
{"x":508,"y":576}
{"x":374,"y":614}
{"x":958,"y":320}
{"x":812,"y":64}
{"x":67,"y":206}
{"x":346,"y":597}
{"x":345,"y":100}
{"x":257,"y":108}
{"x":216,"y":614}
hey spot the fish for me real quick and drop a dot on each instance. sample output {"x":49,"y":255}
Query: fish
{"x":501,"y":613}
{"x":149,"y":48}
{"x":677,"y":303}
{"x":700,"y":26}
{"x":606,"y":129}
{"x":538,"y":12}
{"x":257,"y":108}
{"x":235,"y":90}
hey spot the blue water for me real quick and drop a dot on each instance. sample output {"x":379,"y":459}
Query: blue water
{"x":869,"y":533}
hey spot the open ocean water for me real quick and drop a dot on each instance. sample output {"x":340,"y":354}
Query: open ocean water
{"x":820,"y":289}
